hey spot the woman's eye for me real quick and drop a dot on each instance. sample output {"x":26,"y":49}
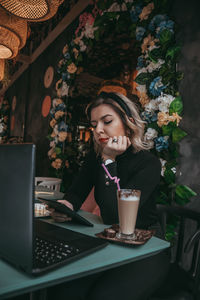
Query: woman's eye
{"x":107,"y":122}
{"x":93,"y":126}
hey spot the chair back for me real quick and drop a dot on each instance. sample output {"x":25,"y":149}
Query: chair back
{"x":184,"y":245}
{"x":49,"y":182}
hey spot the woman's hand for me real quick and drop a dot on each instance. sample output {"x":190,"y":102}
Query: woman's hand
{"x":115,"y":146}
{"x":60,"y":217}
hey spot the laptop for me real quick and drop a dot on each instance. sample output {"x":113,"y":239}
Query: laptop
{"x":29,"y":243}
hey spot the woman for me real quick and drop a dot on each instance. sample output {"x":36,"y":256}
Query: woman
{"x":118,"y":143}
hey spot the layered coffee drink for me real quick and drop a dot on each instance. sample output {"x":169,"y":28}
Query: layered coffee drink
{"x":128,"y":202}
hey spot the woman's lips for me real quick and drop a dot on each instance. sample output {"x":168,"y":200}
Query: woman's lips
{"x":103,"y":140}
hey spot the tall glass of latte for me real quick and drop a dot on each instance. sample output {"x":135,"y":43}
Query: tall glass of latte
{"x":128,"y":202}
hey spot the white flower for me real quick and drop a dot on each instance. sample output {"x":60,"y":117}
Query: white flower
{"x":142,"y":70}
{"x":1,"y":128}
{"x":164,"y":102}
{"x":116,"y":7}
{"x":89,"y":31}
{"x":150,"y":134}
{"x":163,"y":162}
{"x":141,"y":88}
{"x":152,"y":106}
{"x":64,"y":89}
{"x":53,"y":144}
{"x":154,"y":66}
{"x":153,"y":47}
{"x":173,"y":170}
{"x":56,"y":102}
{"x":81,"y":44}
{"x":55,"y":130}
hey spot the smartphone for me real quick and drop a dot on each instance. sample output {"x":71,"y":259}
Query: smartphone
{"x":60,"y":207}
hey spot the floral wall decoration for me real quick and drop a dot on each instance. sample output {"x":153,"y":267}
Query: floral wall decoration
{"x":4,"y":119}
{"x":156,"y":84}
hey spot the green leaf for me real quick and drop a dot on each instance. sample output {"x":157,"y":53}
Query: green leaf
{"x":179,"y":75}
{"x":173,"y":52}
{"x":49,"y":137}
{"x":142,"y":78}
{"x":155,"y":54}
{"x":167,"y":129}
{"x":57,"y":150}
{"x":178,"y":134}
{"x":184,"y":192}
{"x":180,"y":201}
{"x":162,"y":198}
{"x":79,"y":58}
{"x":169,"y":176}
{"x":97,"y":35}
{"x":165,"y":36}
{"x":176,"y":106}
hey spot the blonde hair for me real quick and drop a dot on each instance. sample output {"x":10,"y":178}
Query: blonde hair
{"x":133,"y":124}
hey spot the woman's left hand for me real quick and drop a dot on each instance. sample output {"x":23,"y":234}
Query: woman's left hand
{"x":115,"y":146}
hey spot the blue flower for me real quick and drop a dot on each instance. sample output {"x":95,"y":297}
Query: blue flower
{"x":62,"y":126}
{"x":64,"y":75}
{"x":154,"y":117}
{"x":156,"y":86}
{"x":140,"y":62}
{"x":164,"y":25}
{"x":161,"y":143}
{"x":139,"y":33}
{"x":52,"y":112}
{"x":156,"y":21}
{"x":148,"y":117}
{"x":61,"y":107}
{"x":135,"y":12}
{"x":67,"y":55}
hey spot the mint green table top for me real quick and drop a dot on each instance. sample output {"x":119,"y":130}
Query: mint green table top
{"x":13,"y":282}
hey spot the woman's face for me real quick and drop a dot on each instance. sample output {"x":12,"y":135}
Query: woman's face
{"x":106,"y":123}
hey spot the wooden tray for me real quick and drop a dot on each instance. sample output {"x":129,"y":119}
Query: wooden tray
{"x":142,"y":236}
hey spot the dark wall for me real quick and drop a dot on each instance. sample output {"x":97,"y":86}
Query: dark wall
{"x":30,"y":92}
{"x":187,"y":17}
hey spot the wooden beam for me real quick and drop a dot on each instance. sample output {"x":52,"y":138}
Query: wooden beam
{"x":64,"y":23}
{"x":23,"y":58}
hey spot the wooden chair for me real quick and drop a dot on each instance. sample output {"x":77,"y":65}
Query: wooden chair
{"x":182,"y":283}
{"x":49,"y":182}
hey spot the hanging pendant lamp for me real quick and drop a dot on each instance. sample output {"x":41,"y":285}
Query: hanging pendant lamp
{"x":26,"y":9}
{"x":13,"y":34}
{"x":32,"y":10}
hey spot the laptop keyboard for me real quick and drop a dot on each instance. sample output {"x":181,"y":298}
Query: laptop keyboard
{"x":51,"y":252}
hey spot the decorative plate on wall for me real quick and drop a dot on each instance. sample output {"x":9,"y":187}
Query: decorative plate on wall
{"x":14,"y":103}
{"x":12,"y":123}
{"x":48,"y":77}
{"x":46,"y":106}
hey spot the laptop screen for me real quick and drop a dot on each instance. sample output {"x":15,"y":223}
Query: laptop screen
{"x":17,"y":167}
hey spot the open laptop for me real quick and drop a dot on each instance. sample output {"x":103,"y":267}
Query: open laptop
{"x":28,"y":243}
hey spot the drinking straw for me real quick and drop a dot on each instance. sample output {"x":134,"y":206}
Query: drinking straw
{"x":116,"y":180}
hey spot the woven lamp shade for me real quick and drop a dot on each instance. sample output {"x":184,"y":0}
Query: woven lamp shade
{"x":16,"y":25}
{"x":26,"y":9}
{"x":2,"y":67}
{"x":32,"y":10}
{"x":53,"y":7}
{"x":9,"y":43}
